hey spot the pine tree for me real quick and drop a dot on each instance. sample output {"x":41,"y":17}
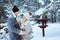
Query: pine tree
{"x":3,"y":14}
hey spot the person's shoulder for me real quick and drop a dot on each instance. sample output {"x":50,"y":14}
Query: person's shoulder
{"x":10,"y":17}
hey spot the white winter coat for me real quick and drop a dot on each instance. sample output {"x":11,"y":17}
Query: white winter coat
{"x":27,"y":26}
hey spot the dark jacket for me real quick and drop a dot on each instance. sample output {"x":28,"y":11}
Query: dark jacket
{"x":13,"y":31}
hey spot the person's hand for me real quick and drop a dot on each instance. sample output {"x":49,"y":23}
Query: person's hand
{"x":22,"y":33}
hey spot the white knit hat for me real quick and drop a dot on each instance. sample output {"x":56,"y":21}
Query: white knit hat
{"x":27,"y":15}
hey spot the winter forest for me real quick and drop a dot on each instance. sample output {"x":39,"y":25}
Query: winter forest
{"x":44,"y":18}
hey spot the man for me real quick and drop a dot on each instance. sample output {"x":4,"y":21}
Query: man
{"x":13,"y":26}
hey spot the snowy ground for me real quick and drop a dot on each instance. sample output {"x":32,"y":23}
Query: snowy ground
{"x":52,"y":32}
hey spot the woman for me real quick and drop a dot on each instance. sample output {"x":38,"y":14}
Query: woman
{"x":26,"y":26}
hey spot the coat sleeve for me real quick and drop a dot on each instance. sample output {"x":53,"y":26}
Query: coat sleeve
{"x":11,"y":26}
{"x":27,"y":28}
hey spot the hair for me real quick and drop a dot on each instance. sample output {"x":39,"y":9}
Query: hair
{"x":15,"y":9}
{"x":30,"y":13}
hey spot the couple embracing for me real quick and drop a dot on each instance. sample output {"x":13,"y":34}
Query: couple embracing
{"x":19,"y":28}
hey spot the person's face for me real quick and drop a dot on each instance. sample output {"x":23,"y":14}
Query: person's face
{"x":16,"y":13}
{"x":24,"y":19}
